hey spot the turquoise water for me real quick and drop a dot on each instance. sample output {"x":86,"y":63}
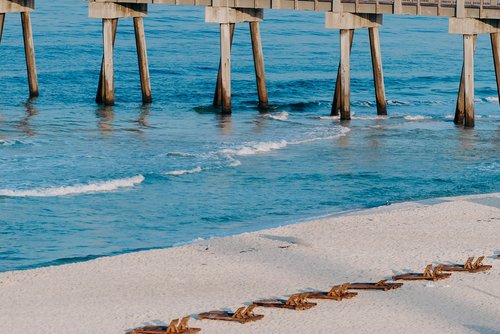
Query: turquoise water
{"x":78,"y":181}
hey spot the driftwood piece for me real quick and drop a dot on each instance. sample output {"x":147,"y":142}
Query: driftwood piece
{"x":176,"y":327}
{"x":429,"y":274}
{"x":469,"y":266}
{"x":242,"y":315}
{"x":338,"y":292}
{"x":380,"y":285}
{"x":296,"y":302}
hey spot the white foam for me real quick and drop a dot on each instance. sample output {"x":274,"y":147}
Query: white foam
{"x":280,"y":116}
{"x":184,"y":171}
{"x":105,"y":186}
{"x":328,"y":118}
{"x":492,"y":99}
{"x":253,"y":148}
{"x":256,"y":148}
{"x":397,"y":103}
{"x":416,"y":117}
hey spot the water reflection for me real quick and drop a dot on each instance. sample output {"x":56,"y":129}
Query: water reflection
{"x":105,"y":121}
{"x":25,"y":122}
{"x":224,"y":123}
{"x":145,"y":111}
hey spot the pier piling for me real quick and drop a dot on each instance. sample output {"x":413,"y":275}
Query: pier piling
{"x":110,"y":13}
{"x":100,"y":96}
{"x":378,"y":74}
{"x":495,"y":47}
{"x":29,"y":50}
{"x":109,"y":81}
{"x":227,"y":17}
{"x":218,"y":86}
{"x":470,"y":28}
{"x":2,"y":20}
{"x":345,"y":74}
{"x":469,"y":80}
{"x":24,"y":8}
{"x":225,"y":62}
{"x":258,"y":58}
{"x":336,"y":94}
{"x":347,"y":23}
{"x":142,"y":56}
{"x":460,"y":108}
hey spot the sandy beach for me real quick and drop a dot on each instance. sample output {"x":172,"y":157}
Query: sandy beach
{"x":115,"y":294}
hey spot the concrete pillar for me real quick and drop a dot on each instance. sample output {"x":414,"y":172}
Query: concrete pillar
{"x":469,"y":80}
{"x":218,"y":93}
{"x":227,"y":17}
{"x":29,"y":50}
{"x":142,"y":55}
{"x":258,"y":59}
{"x":225,"y":62}
{"x":378,"y":73}
{"x":345,"y":74}
{"x":495,"y":47}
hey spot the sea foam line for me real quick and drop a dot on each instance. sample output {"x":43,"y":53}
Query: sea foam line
{"x":105,"y":186}
{"x":183,"y":171}
{"x":265,"y":147}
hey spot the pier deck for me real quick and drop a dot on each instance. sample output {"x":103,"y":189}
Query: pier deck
{"x":487,"y":9}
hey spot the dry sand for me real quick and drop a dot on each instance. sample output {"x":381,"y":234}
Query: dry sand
{"x":111,"y":295}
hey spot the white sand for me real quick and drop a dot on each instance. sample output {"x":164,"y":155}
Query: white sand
{"x":111,"y":295}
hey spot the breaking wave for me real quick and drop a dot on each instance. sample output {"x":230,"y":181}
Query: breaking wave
{"x":183,"y":171}
{"x":416,"y":117}
{"x":253,"y":148}
{"x":98,"y":187}
{"x":279,"y":116}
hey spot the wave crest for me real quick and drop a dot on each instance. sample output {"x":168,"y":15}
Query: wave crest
{"x":105,"y":186}
{"x":183,"y":171}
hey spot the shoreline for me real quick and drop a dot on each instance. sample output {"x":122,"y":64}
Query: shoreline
{"x":117,"y":293}
{"x":267,"y":226}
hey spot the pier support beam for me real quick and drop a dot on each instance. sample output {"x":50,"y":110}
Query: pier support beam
{"x":470,"y":28}
{"x":29,"y":50}
{"x":347,"y":23}
{"x":218,"y":86}
{"x":2,"y":20}
{"x":469,"y":80}
{"x":345,"y":73}
{"x":225,"y":62}
{"x":227,"y":17}
{"x":108,"y":69}
{"x":258,"y":59}
{"x":110,"y":13}
{"x":336,"y":94}
{"x":142,"y":56}
{"x":495,"y":47}
{"x":378,"y":73}
{"x":24,"y":7}
{"x":460,"y":108}
{"x":101,"y":93}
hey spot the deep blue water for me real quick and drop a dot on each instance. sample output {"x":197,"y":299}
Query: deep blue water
{"x":79,"y":181}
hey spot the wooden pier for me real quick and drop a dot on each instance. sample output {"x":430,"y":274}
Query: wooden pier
{"x":468,"y":18}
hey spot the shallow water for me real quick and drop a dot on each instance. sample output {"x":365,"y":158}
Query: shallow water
{"x":79,"y":181}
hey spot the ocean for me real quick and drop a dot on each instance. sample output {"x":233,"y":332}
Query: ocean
{"x":80,"y":181}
